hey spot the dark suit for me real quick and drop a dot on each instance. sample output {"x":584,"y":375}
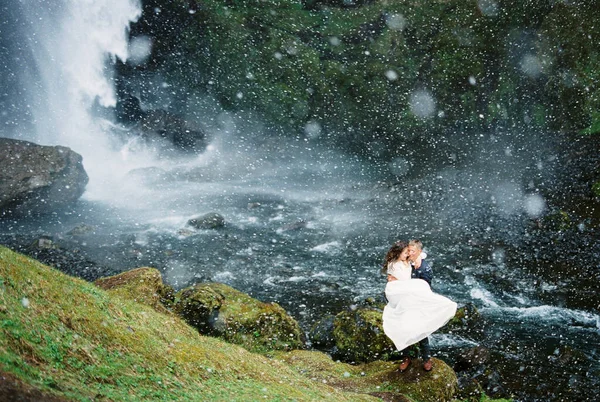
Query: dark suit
{"x":424,"y":272}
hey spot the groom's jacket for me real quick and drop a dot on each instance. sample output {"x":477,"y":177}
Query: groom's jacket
{"x":423,"y":272}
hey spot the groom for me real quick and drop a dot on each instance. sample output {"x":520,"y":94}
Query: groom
{"x":420,"y":270}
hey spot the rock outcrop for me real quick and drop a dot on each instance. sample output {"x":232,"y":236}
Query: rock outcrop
{"x":144,"y":285}
{"x":380,"y":379}
{"x":36,"y":179}
{"x":359,"y":336}
{"x":354,"y":336}
{"x":175,"y":131}
{"x":219,"y":310}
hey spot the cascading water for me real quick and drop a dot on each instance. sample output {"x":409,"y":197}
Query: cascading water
{"x":60,"y":64}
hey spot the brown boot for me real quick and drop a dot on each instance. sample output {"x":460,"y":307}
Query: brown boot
{"x":404,"y":364}
{"x":428,"y":365}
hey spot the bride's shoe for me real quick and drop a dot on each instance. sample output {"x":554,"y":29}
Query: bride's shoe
{"x":428,"y":365}
{"x":404,"y":364}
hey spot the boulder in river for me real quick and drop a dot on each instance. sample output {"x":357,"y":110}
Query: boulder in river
{"x":36,"y":179}
{"x":211,"y":220}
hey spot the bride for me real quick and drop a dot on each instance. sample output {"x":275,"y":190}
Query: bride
{"x":413,"y":311}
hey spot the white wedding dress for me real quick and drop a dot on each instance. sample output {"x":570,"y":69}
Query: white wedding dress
{"x":413,"y":311}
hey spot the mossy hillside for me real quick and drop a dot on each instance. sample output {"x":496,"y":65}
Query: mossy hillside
{"x":377,"y":378}
{"x":220,"y":310}
{"x":69,"y":338}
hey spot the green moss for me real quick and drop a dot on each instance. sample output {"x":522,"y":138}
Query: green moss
{"x":69,"y":338}
{"x":220,"y":310}
{"x":377,"y":378}
{"x":143,"y":285}
{"x":557,"y":221}
{"x":596,"y":189}
{"x":199,"y":306}
{"x":359,"y":335}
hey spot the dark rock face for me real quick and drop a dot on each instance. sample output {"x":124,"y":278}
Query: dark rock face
{"x":37,"y":179}
{"x":159,"y":125}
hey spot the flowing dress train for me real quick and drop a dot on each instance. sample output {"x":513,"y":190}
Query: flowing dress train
{"x":413,"y":311}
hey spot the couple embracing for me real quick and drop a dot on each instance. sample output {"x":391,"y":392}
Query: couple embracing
{"x":413,"y":311}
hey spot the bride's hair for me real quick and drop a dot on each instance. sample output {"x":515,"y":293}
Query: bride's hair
{"x":393,"y":254}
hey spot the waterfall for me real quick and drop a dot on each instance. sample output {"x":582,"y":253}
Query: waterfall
{"x":58,"y":69}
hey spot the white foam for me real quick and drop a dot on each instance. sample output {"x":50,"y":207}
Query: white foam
{"x":328,"y":248}
{"x":270,"y":280}
{"x":550,"y":314}
{"x":174,"y":221}
{"x":297,"y":279}
{"x":224,"y":276}
{"x":484,"y":295}
{"x":439,"y":341}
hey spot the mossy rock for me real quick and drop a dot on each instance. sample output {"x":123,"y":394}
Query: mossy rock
{"x":220,"y":310}
{"x":321,"y":333}
{"x":469,"y":390}
{"x":143,"y":285}
{"x":381,"y":379}
{"x":466,"y":321}
{"x":359,"y":336}
{"x":596,"y":189}
{"x":199,"y":305}
{"x":440,"y":384}
{"x":557,"y":221}
{"x":472,"y":359}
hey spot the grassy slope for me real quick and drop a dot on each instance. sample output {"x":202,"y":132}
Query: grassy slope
{"x":66,"y":337}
